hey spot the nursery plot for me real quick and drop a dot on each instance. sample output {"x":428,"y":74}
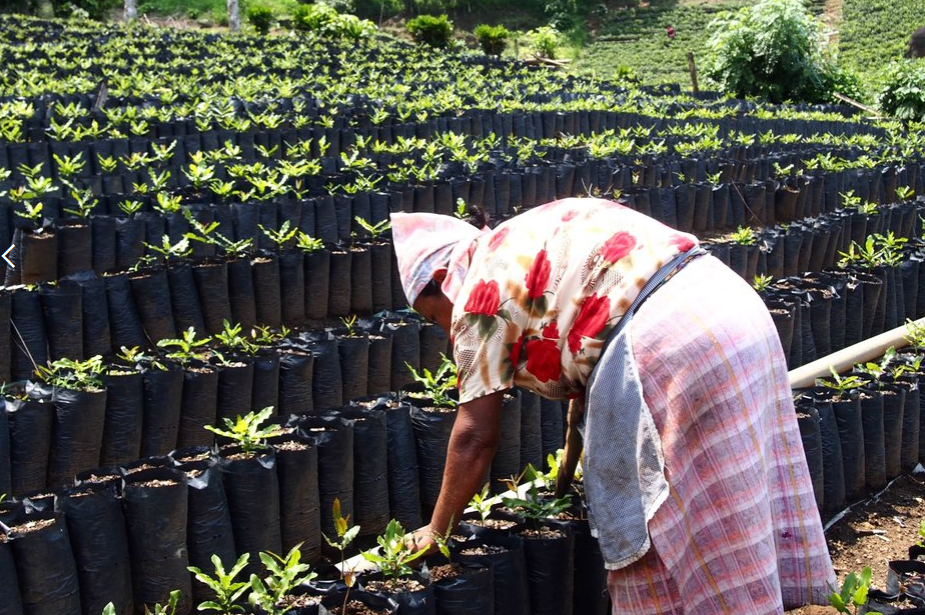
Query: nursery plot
{"x":205,"y":254}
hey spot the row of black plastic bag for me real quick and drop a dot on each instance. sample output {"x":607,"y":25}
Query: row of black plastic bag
{"x":126,"y":534}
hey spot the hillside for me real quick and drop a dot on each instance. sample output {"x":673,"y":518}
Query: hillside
{"x":867,"y":33}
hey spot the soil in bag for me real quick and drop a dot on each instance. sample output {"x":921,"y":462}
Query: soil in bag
{"x":848,"y":417}
{"x":163,"y":397}
{"x":505,"y":557}
{"x":235,"y":388}
{"x":30,"y":419}
{"x":894,"y":402}
{"x":156,"y":508}
{"x":432,"y":427}
{"x":96,"y":525}
{"x":353,"y":351}
{"x":833,"y":471}
{"x":252,"y":489}
{"x":810,"y":433}
{"x":198,"y":405}
{"x":871,"y":401}
{"x":265,"y":391}
{"x":531,"y":431}
{"x":413,"y":593}
{"x":358,"y":602}
{"x":45,"y":566}
{"x":406,"y":348}
{"x":370,"y":468}
{"x":296,"y":371}
{"x":77,"y":433}
{"x":184,"y":297}
{"x":10,"y":599}
{"x":506,"y":462}
{"x":463,"y":590}
{"x":333,"y":437}
{"x":402,"y":460}
{"x":549,"y":556}
{"x":208,"y":520}
{"x":27,"y":333}
{"x":299,"y":506}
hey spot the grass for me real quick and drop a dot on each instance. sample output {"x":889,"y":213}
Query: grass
{"x":636,"y":38}
{"x":210,"y":9}
{"x":873,"y":32}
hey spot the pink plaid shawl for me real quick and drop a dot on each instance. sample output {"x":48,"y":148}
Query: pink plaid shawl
{"x":739,"y":532}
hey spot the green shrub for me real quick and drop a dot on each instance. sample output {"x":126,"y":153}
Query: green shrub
{"x":260,"y":17}
{"x":545,"y":41}
{"x":492,"y":39}
{"x":430,"y":30}
{"x":836,"y":78}
{"x":770,"y":49}
{"x":352,"y":27}
{"x":313,"y":17}
{"x":902,"y":93}
{"x":324,"y":20}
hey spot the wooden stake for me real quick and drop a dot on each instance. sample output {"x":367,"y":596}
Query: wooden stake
{"x":692,"y":67}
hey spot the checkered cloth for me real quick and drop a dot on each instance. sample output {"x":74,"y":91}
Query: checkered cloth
{"x":739,"y":531}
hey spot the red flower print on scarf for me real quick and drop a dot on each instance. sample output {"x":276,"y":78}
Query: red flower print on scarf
{"x":618,"y":246}
{"x":497,"y":238}
{"x":591,"y":319}
{"x":543,"y":359}
{"x":538,"y":276}
{"x":681,"y":242}
{"x":516,"y":349}
{"x":484,"y":299}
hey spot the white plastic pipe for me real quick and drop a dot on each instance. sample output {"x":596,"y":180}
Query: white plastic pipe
{"x":845,"y":359}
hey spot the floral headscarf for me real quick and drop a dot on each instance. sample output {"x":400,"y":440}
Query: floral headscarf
{"x":426,"y":243}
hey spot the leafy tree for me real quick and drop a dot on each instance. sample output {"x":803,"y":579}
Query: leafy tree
{"x":771,"y":49}
{"x":430,"y":30}
{"x":492,"y":39}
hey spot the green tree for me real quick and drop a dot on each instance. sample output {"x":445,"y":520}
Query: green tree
{"x":771,"y":49}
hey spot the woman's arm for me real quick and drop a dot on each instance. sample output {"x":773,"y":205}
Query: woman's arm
{"x":472,"y":446}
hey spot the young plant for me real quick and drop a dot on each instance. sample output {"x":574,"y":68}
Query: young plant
{"x":536,"y":509}
{"x":904,"y":193}
{"x":307,"y":243}
{"x":246,"y":431}
{"x":374,"y":230}
{"x":231,"y":338}
{"x":853,"y":595}
{"x":166,"y":609}
{"x":186,"y":349}
{"x":482,"y":502}
{"x":743,"y":236}
{"x":437,"y":385}
{"x":762,"y":282}
{"x":72,"y":374}
{"x":226,"y":589}
{"x":841,"y":384}
{"x":283,"y":575}
{"x":915,"y":334}
{"x":349,"y":323}
{"x":282,"y":236}
{"x":394,"y":555}
{"x":345,"y":535}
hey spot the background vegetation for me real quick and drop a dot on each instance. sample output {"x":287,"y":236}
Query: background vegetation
{"x":607,"y":37}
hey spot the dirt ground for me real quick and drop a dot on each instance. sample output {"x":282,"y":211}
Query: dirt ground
{"x":876,"y":531}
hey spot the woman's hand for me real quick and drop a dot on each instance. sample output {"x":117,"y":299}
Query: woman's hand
{"x":422,"y":539}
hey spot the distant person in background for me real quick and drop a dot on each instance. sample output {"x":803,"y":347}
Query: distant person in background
{"x":670,"y":32}
{"x":917,"y":44}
